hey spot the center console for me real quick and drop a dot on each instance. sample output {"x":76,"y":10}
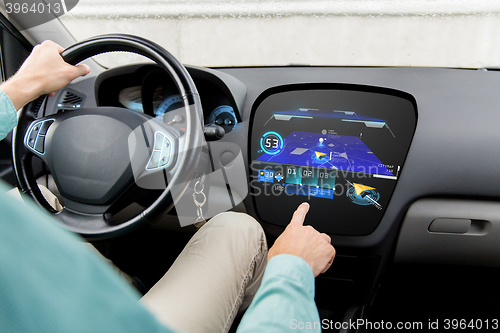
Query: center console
{"x":341,"y":148}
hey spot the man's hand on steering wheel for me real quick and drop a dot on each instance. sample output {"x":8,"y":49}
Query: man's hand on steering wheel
{"x":43,"y":72}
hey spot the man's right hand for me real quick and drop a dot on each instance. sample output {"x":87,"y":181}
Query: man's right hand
{"x":305,"y":242}
{"x":43,"y":72}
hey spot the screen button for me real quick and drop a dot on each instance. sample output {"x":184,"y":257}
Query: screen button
{"x":266,"y":176}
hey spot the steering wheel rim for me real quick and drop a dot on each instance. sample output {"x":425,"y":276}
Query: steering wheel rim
{"x":97,"y":226}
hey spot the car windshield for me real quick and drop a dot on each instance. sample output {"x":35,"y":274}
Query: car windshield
{"x":228,"y":33}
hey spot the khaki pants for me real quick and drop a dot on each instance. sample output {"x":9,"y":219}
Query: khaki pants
{"x":218,"y":272}
{"x":216,"y":275}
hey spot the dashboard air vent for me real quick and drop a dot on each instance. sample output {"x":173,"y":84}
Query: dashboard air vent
{"x":70,"y":100}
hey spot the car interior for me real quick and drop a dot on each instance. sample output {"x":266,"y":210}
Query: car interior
{"x":398,"y":165}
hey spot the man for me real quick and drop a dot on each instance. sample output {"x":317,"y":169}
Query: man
{"x":51,"y":282}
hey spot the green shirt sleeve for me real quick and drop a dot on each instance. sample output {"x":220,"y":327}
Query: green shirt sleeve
{"x":285,"y":299}
{"x":50,"y":281}
{"x":8,"y":115}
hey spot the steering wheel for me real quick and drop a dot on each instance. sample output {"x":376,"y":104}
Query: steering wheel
{"x":98,"y":155}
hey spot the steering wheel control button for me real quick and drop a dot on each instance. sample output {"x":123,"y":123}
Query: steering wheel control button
{"x":163,"y":161}
{"x":158,"y":142}
{"x":164,"y":158}
{"x":32,"y":138}
{"x":154,"y":160}
{"x":31,"y":142}
{"x":35,"y":140}
{"x":45,"y":127}
{"x":40,"y":142}
{"x":161,"y":152}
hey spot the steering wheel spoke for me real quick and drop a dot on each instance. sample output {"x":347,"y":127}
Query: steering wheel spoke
{"x":89,"y":225}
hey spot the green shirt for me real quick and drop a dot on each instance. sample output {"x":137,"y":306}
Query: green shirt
{"x":51,"y":282}
{"x":8,"y":115}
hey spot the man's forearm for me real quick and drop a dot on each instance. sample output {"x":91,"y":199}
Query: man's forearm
{"x":19,"y":92}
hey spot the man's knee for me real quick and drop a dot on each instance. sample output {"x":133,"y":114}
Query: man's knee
{"x":237,"y":226}
{"x":236,"y":222}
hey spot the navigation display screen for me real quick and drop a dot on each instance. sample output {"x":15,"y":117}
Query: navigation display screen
{"x":340,"y":150}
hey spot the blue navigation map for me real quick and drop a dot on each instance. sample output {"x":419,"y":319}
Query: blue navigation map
{"x":328,"y":151}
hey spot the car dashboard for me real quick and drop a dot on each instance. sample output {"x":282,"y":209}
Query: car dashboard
{"x":148,"y":89}
{"x":398,"y":164}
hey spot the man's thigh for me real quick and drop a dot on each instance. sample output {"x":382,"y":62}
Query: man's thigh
{"x":219,"y":270}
